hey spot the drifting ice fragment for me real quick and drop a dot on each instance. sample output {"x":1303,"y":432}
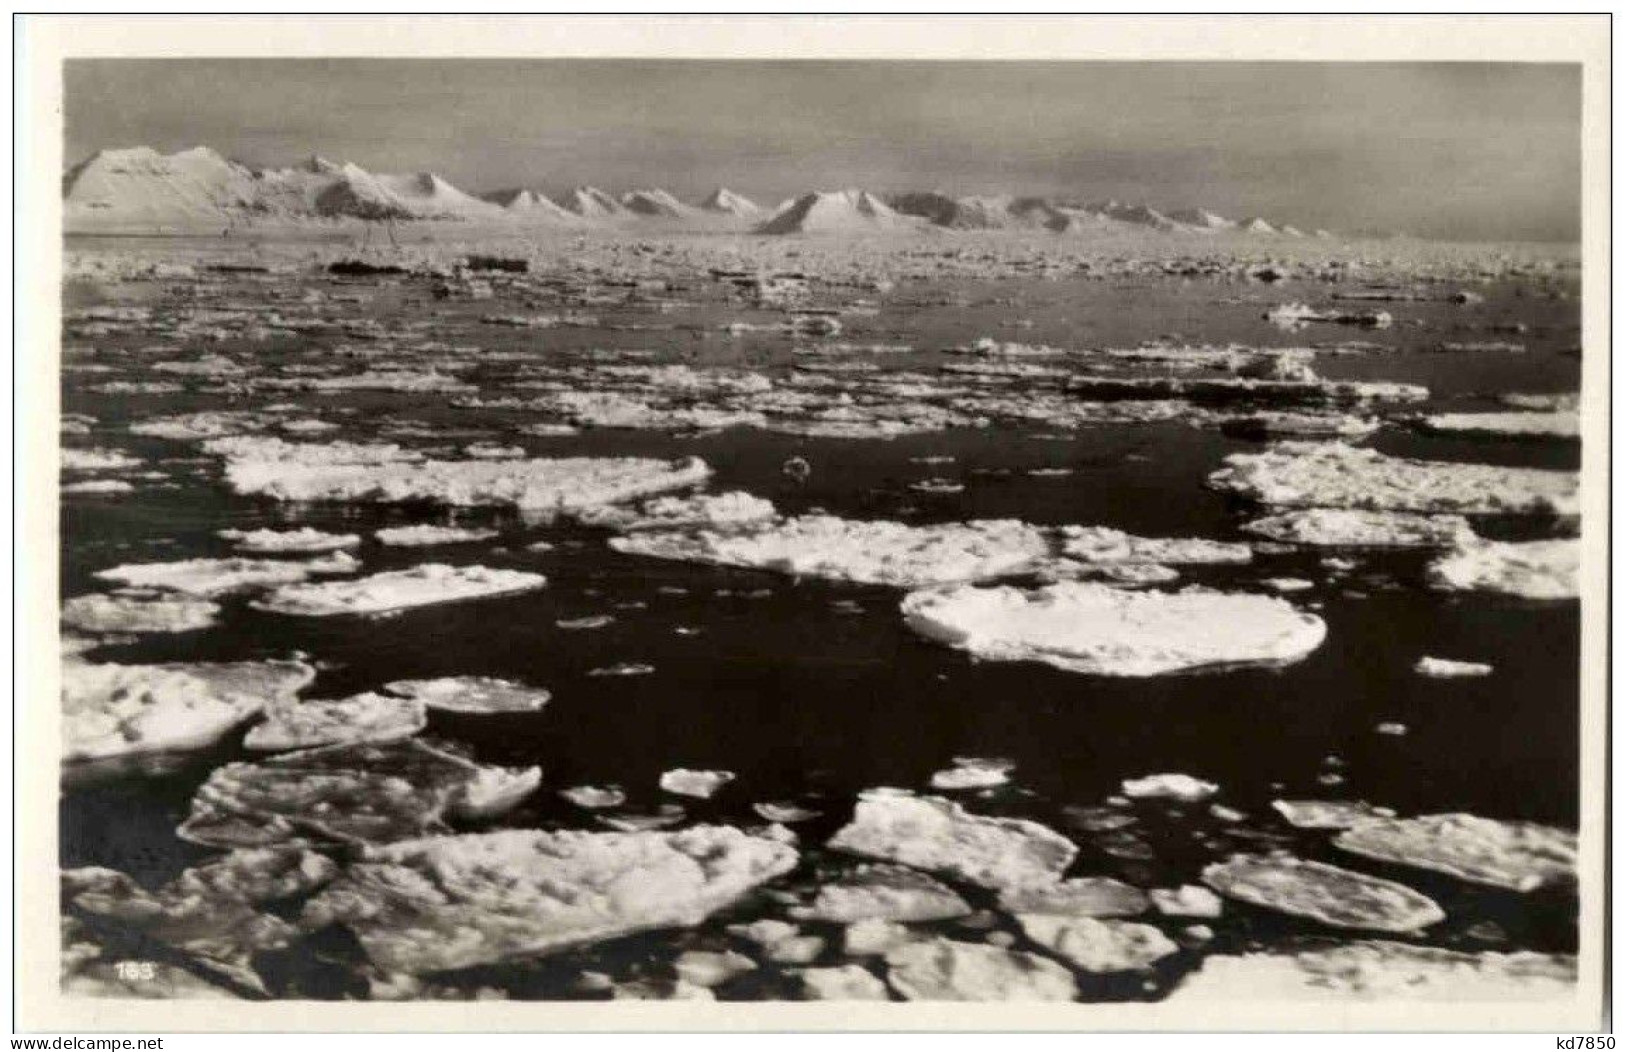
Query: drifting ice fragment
{"x":1531,"y":569}
{"x":1518,"y":856}
{"x":362,"y":718}
{"x":124,"y":613}
{"x":1180,"y":787}
{"x":947,"y":970}
{"x":1098,"y":946}
{"x":471,"y":694}
{"x":939,"y":836}
{"x":1328,"y":814}
{"x":1347,"y":528}
{"x":397,"y":590}
{"x":701,"y":785}
{"x":883,"y":892}
{"x":215,"y":577}
{"x":1078,"y":897}
{"x":1098,"y":629}
{"x":457,"y":901}
{"x":304,"y":539}
{"x":1444,"y":668}
{"x":1338,"y":897}
{"x":424,"y":536}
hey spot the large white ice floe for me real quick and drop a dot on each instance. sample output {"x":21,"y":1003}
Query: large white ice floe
{"x":1098,"y":946}
{"x":285,"y":471}
{"x":216,"y":577}
{"x":1530,"y":569}
{"x":1331,"y":895}
{"x":1519,"y":856}
{"x":1378,"y":970}
{"x":1101,"y":630}
{"x":711,"y":511}
{"x":883,"y":892}
{"x":113,"y":710}
{"x":701,"y":785}
{"x":456,"y":901}
{"x":471,"y":694}
{"x":425,"y":535}
{"x":398,"y":590}
{"x":303,"y":539}
{"x":130,"y":613}
{"x":949,"y":970}
{"x":374,"y":792}
{"x":1334,"y":475}
{"x":1351,"y":528}
{"x":939,"y":836}
{"x":877,"y":552}
{"x":359,"y":718}
{"x":1506,"y":425}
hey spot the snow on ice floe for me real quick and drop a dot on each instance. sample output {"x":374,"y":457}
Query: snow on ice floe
{"x":303,"y":539}
{"x":457,"y":901}
{"x":1077,"y":897}
{"x":426,"y":536}
{"x":384,"y":474}
{"x":948,"y":970}
{"x":1098,"y":946}
{"x":397,"y":590}
{"x":1328,"y":814}
{"x":134,"y":613}
{"x":471,"y":694}
{"x":1335,"y":475}
{"x":867,"y":552}
{"x":366,"y":717}
{"x":1445,"y":668}
{"x":1530,"y":569}
{"x":702,"y":785}
{"x":1378,"y":970}
{"x":374,"y":792}
{"x":1181,"y":787}
{"x":1331,"y":895}
{"x":1101,"y":630}
{"x":710,"y":511}
{"x":113,"y":710}
{"x":939,"y":836}
{"x":972,"y":772}
{"x":1518,"y":856}
{"x":1505,"y":425}
{"x":216,"y":577}
{"x":883,"y":892}
{"x":1352,"y":528}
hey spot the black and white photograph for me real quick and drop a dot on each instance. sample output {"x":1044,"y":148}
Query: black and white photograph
{"x":1112,"y":534}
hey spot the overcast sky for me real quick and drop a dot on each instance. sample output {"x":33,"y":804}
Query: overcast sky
{"x":1442,"y":150}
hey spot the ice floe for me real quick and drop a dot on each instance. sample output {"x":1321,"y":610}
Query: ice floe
{"x":594,"y":797}
{"x":971,"y":772}
{"x":359,"y":718}
{"x":1529,"y":569}
{"x":1187,"y":900}
{"x":883,"y":892}
{"x":701,"y":785}
{"x":1518,"y":856}
{"x":471,"y":694}
{"x":877,"y":552}
{"x":456,"y":901}
{"x":1104,"y":545}
{"x":711,"y":511}
{"x":1378,"y":970}
{"x":1102,"y":630}
{"x":425,"y":536}
{"x":368,"y":793}
{"x":949,"y":970}
{"x":1098,"y":946}
{"x":397,"y":590}
{"x":132,"y":613}
{"x":304,"y":539}
{"x":1350,"y":528}
{"x":1328,"y":814}
{"x":313,"y":472}
{"x":1331,"y":895}
{"x":939,"y":836}
{"x":1181,"y":787}
{"x":1335,"y":475}
{"x":1077,"y":897}
{"x":1445,"y":668}
{"x":849,"y":982}
{"x":216,"y":577}
{"x":1506,"y":425}
{"x":116,"y":710}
